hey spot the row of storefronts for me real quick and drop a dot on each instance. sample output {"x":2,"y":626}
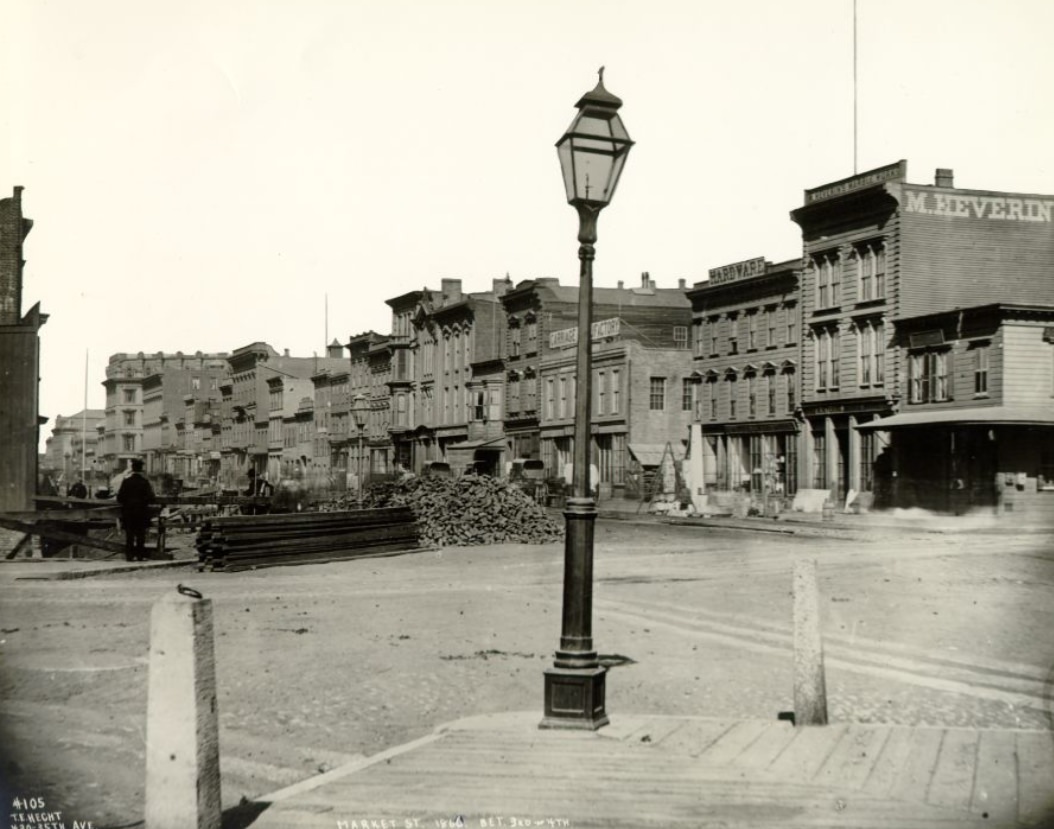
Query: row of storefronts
{"x":906,"y":360}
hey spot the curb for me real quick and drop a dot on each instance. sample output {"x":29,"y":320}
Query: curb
{"x":109,"y":571}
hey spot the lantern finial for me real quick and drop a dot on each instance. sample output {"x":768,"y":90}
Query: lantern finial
{"x":601,"y":73}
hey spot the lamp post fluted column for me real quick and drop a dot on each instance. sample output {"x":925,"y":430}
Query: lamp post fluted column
{"x":592,"y":153}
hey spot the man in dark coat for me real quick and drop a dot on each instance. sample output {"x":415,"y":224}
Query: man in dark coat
{"x":135,"y":497}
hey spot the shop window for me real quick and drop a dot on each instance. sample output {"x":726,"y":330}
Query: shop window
{"x":1046,"y":471}
{"x":819,"y":460}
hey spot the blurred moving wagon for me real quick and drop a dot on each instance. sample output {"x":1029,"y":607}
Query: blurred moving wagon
{"x":529,"y":475}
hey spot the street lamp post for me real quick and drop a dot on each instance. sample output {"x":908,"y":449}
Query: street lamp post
{"x":360,"y":406}
{"x":592,"y":153}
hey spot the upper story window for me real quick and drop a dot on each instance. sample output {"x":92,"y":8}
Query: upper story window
{"x":791,"y":318}
{"x":733,"y":335}
{"x":828,"y":269}
{"x":712,"y":325}
{"x":514,"y":341}
{"x":752,"y":331}
{"x":680,"y":336}
{"x":980,"y":368}
{"x":871,"y":351}
{"x":871,"y":270}
{"x":699,"y":329}
{"x":532,"y":335}
{"x":129,"y":395}
{"x":687,"y":395}
{"x":827,"y":358}
{"x":657,"y":394}
{"x":930,"y":376}
{"x":770,"y":327}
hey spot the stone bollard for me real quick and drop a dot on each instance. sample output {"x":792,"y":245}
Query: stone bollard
{"x":810,"y":688}
{"x":182,"y":724}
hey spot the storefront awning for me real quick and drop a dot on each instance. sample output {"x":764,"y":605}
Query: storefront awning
{"x":650,"y":454}
{"x":975,"y":415}
{"x":494,"y":443}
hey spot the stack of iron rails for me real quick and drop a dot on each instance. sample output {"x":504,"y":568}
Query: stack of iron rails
{"x":243,"y":542}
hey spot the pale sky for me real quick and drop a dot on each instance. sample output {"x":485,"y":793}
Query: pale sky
{"x":203,"y":173}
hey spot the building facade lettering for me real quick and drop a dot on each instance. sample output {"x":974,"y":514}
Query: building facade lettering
{"x":978,"y":207}
{"x":738,"y":270}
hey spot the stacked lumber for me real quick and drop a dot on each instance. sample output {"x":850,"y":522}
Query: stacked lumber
{"x":474,"y":509}
{"x":244,"y":542}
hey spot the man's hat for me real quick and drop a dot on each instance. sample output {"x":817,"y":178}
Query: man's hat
{"x":137,"y":465}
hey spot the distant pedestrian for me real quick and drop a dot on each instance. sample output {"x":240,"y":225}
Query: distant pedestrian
{"x":135,"y":497}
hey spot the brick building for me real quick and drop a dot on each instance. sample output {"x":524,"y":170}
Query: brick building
{"x":641,"y":378}
{"x":19,"y":365}
{"x":370,"y":357}
{"x":746,"y":350}
{"x":147,"y":396}
{"x":266,"y":389}
{"x":71,"y":448}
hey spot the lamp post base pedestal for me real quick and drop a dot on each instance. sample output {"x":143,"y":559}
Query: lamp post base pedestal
{"x":574,"y":698}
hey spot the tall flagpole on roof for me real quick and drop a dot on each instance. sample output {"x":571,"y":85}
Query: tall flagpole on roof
{"x":855,"y":133}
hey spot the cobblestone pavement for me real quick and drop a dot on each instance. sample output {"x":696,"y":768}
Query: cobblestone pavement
{"x":319,"y":664}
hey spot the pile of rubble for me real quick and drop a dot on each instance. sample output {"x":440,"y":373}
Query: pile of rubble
{"x":471,"y":510}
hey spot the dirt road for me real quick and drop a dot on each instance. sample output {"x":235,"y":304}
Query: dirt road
{"x":319,"y":664}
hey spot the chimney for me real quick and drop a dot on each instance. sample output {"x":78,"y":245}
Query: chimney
{"x":944,"y":177}
{"x":500,"y":286}
{"x":621,"y":284}
{"x":286,"y":352}
{"x":451,"y":291}
{"x":681,"y":284}
{"x":645,"y":280}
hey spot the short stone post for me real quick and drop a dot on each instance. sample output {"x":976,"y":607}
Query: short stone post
{"x":810,"y":687}
{"x":182,"y":724}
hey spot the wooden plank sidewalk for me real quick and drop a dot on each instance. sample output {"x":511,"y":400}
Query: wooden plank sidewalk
{"x":502,"y":771}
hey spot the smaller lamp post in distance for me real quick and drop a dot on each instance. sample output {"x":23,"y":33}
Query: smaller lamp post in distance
{"x":592,"y":153}
{"x":360,"y":408}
